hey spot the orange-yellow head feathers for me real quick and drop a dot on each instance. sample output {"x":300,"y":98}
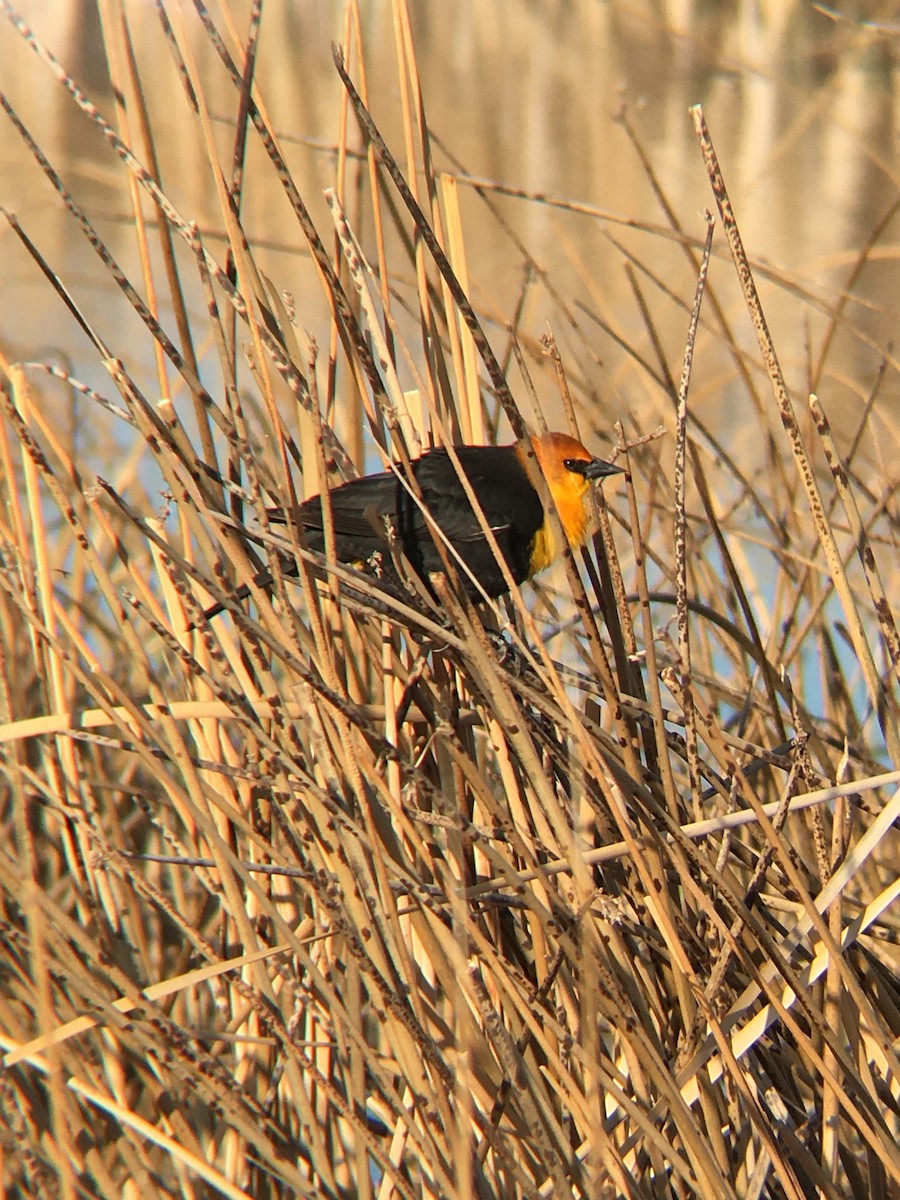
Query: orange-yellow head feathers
{"x":569,"y":468}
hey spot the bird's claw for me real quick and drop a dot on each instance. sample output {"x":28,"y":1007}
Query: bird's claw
{"x":508,"y":657}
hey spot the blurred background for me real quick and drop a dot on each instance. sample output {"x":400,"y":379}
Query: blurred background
{"x":801,"y":100}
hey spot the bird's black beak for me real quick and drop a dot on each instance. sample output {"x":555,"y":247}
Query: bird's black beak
{"x":598,"y":468}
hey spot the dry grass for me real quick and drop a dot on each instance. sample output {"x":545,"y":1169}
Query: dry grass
{"x":323,"y":899}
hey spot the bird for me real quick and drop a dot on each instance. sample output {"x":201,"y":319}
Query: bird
{"x":375,"y":515}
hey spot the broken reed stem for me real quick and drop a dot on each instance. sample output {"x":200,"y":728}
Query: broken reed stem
{"x":681,"y":592}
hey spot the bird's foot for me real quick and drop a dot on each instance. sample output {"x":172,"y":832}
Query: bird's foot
{"x":508,"y":656}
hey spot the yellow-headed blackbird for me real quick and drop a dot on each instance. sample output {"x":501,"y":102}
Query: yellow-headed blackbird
{"x":377,"y":515}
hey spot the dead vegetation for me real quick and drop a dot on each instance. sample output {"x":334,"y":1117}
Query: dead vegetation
{"x":330,"y":896}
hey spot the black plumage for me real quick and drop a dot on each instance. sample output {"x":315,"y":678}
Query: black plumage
{"x":378,"y":521}
{"x":371,"y":513}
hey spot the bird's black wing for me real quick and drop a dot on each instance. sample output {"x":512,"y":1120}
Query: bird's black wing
{"x":510,"y":504}
{"x":371,"y":512}
{"x":359,"y":512}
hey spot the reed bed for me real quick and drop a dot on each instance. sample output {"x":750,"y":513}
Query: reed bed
{"x":584,"y":893}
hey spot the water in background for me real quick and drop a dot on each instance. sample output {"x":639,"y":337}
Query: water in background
{"x":802,"y":107}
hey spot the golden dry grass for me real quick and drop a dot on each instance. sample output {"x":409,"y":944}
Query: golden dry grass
{"x":324,"y":898}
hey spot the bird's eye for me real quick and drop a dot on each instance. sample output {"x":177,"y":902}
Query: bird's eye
{"x":573,"y":464}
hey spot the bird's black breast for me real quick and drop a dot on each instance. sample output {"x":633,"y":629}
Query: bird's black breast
{"x":368,"y":512}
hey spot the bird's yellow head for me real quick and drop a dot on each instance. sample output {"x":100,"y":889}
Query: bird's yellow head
{"x":569,"y":469}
